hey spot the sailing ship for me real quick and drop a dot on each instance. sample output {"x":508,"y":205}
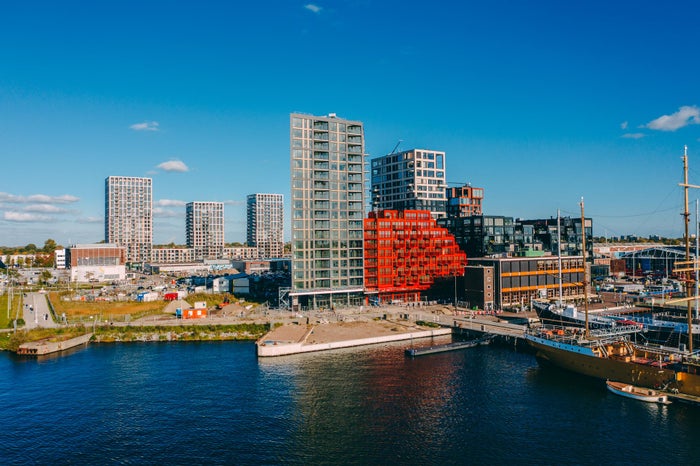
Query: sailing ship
{"x":569,"y":315}
{"x":609,"y":353}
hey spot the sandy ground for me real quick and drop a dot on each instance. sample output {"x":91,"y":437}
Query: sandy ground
{"x":340,"y":331}
{"x":337,"y":331}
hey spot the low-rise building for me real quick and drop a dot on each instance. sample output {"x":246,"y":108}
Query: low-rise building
{"x":519,"y":280}
{"x":96,"y":262}
{"x":60,"y":258}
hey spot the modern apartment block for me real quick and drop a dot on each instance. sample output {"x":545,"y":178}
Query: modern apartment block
{"x":410,"y":180}
{"x":265,"y":229}
{"x":129,"y":216}
{"x":464,"y":201}
{"x":205,"y":229}
{"x":405,"y":251}
{"x":327,"y":181}
{"x":545,"y":232}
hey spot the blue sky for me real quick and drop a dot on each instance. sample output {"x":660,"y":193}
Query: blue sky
{"x":538,"y":102}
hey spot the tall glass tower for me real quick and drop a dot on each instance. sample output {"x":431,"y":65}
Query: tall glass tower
{"x":328,"y":186}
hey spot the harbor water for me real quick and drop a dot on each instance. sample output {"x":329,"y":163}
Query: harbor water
{"x":216,"y":403}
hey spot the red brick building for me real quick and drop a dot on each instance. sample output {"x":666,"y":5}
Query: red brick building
{"x":405,"y":251}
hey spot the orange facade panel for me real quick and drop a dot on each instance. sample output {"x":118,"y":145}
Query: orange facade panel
{"x":414,"y":251}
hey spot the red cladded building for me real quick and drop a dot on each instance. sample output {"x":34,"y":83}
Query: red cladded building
{"x":405,"y":251}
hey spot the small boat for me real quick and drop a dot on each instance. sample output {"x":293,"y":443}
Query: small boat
{"x":637,"y":393}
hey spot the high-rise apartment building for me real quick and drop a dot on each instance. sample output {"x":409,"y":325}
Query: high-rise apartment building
{"x":328,"y":183}
{"x":410,"y":180}
{"x":129,"y":216}
{"x":265,"y":228}
{"x":205,"y":229}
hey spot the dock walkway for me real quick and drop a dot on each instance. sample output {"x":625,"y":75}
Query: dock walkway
{"x":486,"y":326}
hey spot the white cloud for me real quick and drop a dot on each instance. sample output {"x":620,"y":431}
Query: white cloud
{"x":90,"y":220}
{"x":166,"y":213}
{"x":686,"y":115}
{"x":45,"y":208}
{"x":623,"y":125}
{"x":25,"y":217}
{"x":633,"y":135}
{"x":314,"y":8}
{"x":170,"y":203}
{"x":38,"y":198}
{"x":146,"y":126}
{"x":174,"y":166}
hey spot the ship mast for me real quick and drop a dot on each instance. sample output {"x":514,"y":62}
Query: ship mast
{"x":686,"y":221}
{"x":561,"y":293}
{"x":583,"y":253}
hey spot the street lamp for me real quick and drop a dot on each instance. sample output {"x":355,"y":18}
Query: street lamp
{"x":455,"y":276}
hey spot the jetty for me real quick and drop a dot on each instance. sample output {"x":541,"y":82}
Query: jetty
{"x":47,"y":346}
{"x":495,"y":328}
{"x":457,"y":345}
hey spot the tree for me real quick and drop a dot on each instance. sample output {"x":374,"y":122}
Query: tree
{"x":31,"y":247}
{"x":49,"y":246}
{"x":45,"y":276}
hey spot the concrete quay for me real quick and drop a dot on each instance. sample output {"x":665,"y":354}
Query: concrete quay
{"x":296,"y":339}
{"x":42,"y":347}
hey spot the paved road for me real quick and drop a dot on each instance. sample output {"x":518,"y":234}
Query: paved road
{"x":36,"y":311}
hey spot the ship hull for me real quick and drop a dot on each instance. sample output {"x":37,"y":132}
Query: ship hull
{"x":616,"y":369}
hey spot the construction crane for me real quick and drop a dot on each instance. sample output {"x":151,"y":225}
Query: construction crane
{"x":393,"y":151}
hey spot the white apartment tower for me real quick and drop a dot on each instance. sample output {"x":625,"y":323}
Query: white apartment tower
{"x":328,"y":185}
{"x":205,"y":229}
{"x":265,"y":231}
{"x":410,"y":180}
{"x":129,"y":216}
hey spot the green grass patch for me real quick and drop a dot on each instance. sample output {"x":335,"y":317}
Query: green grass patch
{"x":14,"y":311}
{"x":424,"y":323}
{"x":212,"y":299}
{"x":181,"y":332}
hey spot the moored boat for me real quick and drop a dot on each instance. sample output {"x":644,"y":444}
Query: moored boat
{"x":637,"y":393}
{"x":610,"y":355}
